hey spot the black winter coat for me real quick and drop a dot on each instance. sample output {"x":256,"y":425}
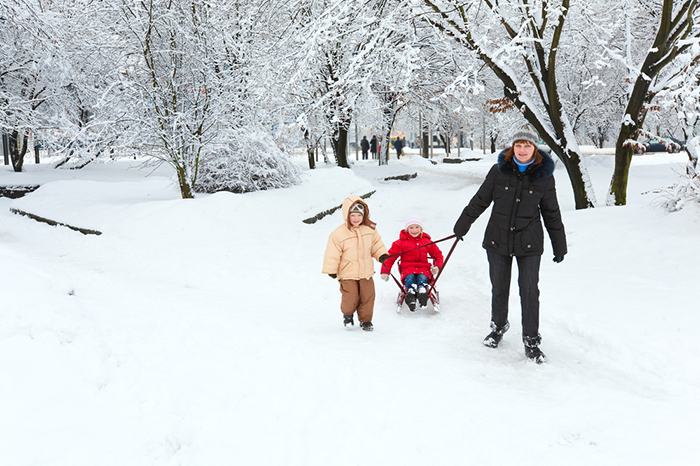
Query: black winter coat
{"x":519,"y":200}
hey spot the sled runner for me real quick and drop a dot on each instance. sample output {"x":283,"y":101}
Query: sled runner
{"x":433,"y":294}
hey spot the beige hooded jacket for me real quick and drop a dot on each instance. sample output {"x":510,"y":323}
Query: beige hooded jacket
{"x":350,"y":250}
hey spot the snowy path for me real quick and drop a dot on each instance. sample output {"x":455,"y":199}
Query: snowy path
{"x":201,"y":332}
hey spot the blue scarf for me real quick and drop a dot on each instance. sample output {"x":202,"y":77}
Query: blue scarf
{"x":522,"y":166}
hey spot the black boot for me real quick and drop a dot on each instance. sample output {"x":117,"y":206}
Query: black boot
{"x":410,"y":299}
{"x":422,"y":297}
{"x":494,"y":338}
{"x":532,"y":349}
{"x":347,"y":320}
{"x":367,"y":326}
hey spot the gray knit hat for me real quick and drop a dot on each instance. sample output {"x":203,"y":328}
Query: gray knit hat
{"x":357,"y":207}
{"x":525,"y":133}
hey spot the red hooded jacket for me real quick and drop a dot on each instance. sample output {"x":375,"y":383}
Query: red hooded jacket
{"x":415,"y":260}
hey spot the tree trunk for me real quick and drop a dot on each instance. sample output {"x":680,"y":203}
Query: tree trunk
{"x":185,"y":188}
{"x":628,"y":132}
{"x":692,"y":165}
{"x":326,"y":160}
{"x":425,"y":144}
{"x":340,"y":147}
{"x":623,"y":160}
{"x":309,"y":149}
{"x":386,"y":147}
{"x":389,"y":114}
{"x":446,"y":141}
{"x":572,"y":163}
{"x":310,"y":155}
{"x":18,"y":149}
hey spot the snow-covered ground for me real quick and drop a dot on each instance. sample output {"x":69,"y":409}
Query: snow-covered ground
{"x":201,"y":332}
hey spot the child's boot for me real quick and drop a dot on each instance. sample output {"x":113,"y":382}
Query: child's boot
{"x":367,"y":326}
{"x":411,"y":300}
{"x":347,"y":320}
{"x":422,"y":296}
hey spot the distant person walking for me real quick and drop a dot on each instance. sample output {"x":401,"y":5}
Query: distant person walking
{"x":373,"y":147}
{"x":364,"y":144}
{"x":398,"y":145}
{"x":521,"y":188}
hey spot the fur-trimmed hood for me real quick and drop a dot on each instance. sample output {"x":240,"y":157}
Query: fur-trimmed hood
{"x":536,"y":172}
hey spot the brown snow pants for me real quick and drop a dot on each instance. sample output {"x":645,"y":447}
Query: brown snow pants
{"x":357,"y":295}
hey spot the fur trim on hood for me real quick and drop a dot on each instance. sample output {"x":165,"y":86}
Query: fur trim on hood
{"x":536,"y":172}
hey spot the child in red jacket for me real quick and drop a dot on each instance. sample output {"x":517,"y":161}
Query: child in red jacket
{"x":416,"y":271}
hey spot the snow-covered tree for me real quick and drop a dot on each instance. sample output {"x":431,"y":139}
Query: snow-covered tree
{"x":388,"y":67}
{"x":520,"y":42}
{"x":30,"y":71}
{"x":409,"y":67}
{"x":318,"y":47}
{"x":186,"y":74}
{"x":87,"y":114}
{"x":349,"y":54}
{"x":683,"y":96}
{"x":672,"y":27}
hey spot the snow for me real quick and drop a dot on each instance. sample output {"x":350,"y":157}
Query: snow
{"x":201,"y":332}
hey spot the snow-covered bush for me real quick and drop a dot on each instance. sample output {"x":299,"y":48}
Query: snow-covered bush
{"x":686,"y":191}
{"x":250,"y":162}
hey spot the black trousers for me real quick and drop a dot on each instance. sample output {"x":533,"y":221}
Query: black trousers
{"x":500,"y":267}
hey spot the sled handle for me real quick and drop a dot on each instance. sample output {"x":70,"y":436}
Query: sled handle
{"x":432,"y":285}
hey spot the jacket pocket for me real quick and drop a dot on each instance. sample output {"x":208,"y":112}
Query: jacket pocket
{"x":347,"y":269}
{"x":492,"y":235}
{"x":531,"y":238}
{"x":502,"y":189}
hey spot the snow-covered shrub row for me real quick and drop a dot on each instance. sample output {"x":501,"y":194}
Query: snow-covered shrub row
{"x":250,"y":162}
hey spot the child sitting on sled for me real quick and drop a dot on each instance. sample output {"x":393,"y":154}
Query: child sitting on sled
{"x":413,"y":247}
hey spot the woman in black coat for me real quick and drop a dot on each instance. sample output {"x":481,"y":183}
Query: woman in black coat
{"x":521,"y":187}
{"x":364,"y":144}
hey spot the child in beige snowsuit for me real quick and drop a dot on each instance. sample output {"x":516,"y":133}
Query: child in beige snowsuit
{"x":349,"y":253}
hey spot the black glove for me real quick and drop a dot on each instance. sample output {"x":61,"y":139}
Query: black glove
{"x":459,"y":237}
{"x":333,"y":275}
{"x":383,"y":257}
{"x":558,"y":259}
